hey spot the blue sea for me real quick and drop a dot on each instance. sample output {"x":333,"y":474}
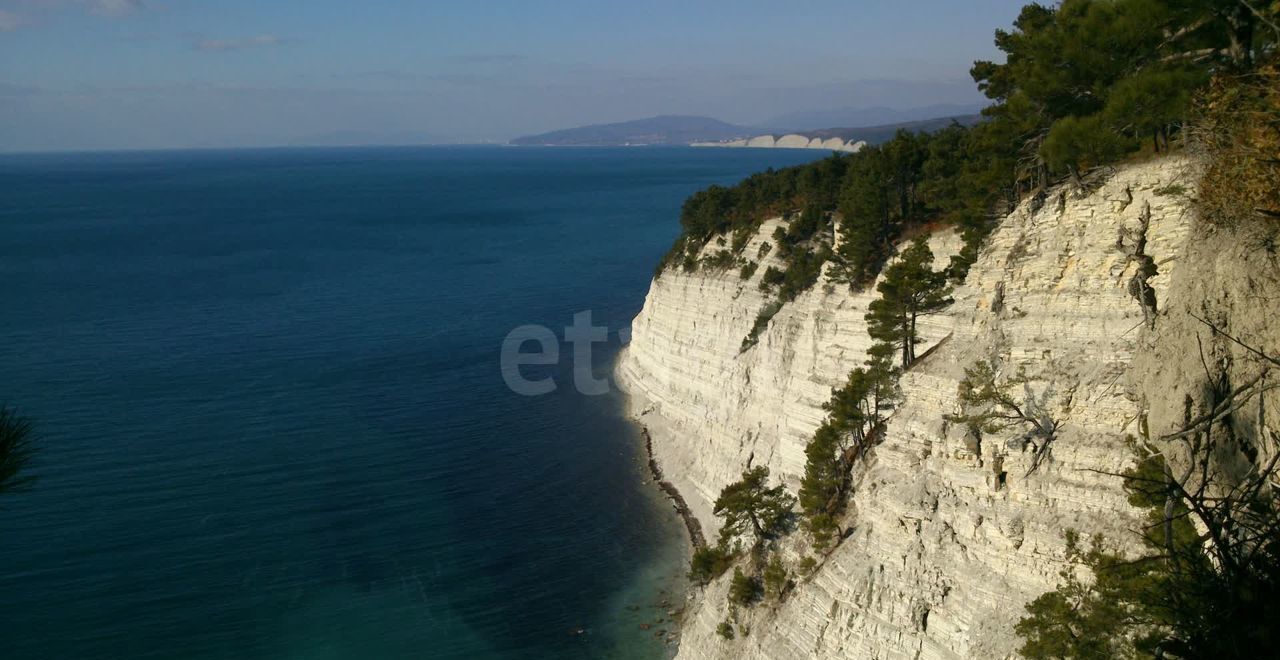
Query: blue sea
{"x":272,"y":419}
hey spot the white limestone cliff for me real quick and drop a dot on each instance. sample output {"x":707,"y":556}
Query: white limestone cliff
{"x":792,"y":141}
{"x":944,"y":550}
{"x":789,"y":141}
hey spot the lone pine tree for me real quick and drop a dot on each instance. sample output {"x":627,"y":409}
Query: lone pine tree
{"x":854,"y":413}
{"x":749,"y":504}
{"x":910,"y":289}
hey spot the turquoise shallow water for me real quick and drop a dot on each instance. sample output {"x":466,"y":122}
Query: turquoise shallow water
{"x":272,"y":417}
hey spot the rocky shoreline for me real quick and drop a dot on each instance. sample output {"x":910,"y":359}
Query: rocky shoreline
{"x":677,"y":500}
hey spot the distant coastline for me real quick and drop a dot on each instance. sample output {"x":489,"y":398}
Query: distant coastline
{"x":683,"y":131}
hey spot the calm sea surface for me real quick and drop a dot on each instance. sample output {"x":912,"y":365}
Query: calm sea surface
{"x":272,"y":420}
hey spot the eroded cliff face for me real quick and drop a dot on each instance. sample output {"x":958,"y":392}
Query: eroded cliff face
{"x":950,"y":536}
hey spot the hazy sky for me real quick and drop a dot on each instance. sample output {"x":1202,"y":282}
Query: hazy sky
{"x":173,"y":73}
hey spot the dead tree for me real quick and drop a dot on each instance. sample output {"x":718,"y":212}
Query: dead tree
{"x":989,"y":408}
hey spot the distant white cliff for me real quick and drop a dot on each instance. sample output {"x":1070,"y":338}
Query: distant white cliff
{"x":789,"y":141}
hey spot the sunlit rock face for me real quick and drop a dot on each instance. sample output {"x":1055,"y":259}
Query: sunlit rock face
{"x":792,"y":141}
{"x":950,"y":537}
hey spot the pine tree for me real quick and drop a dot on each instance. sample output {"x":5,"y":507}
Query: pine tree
{"x":744,"y":589}
{"x":823,"y":481}
{"x":910,"y":289}
{"x":883,"y":377}
{"x":750,"y":505}
{"x":1152,"y":102}
{"x":907,"y":152}
{"x":1078,"y":143}
{"x":865,"y":211}
{"x":854,"y":412}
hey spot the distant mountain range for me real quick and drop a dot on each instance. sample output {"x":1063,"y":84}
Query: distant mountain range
{"x":683,"y":130}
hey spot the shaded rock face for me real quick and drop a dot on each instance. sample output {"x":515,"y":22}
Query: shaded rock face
{"x":1232,"y":282}
{"x":950,"y":535}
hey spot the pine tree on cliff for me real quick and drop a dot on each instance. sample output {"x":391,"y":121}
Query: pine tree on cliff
{"x":751,"y":505}
{"x":822,"y":487}
{"x":910,"y":289}
{"x":854,"y":413}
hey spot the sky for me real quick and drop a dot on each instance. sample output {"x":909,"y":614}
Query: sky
{"x":144,"y":74}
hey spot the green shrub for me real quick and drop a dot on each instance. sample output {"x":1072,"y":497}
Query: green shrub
{"x":761,"y":324}
{"x":744,"y":590}
{"x":748,"y":269}
{"x":772,"y":277}
{"x":803,"y":270}
{"x":709,"y":563}
{"x":719,"y":260}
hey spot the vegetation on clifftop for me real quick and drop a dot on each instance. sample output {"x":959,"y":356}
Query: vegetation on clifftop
{"x":1084,"y":83}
